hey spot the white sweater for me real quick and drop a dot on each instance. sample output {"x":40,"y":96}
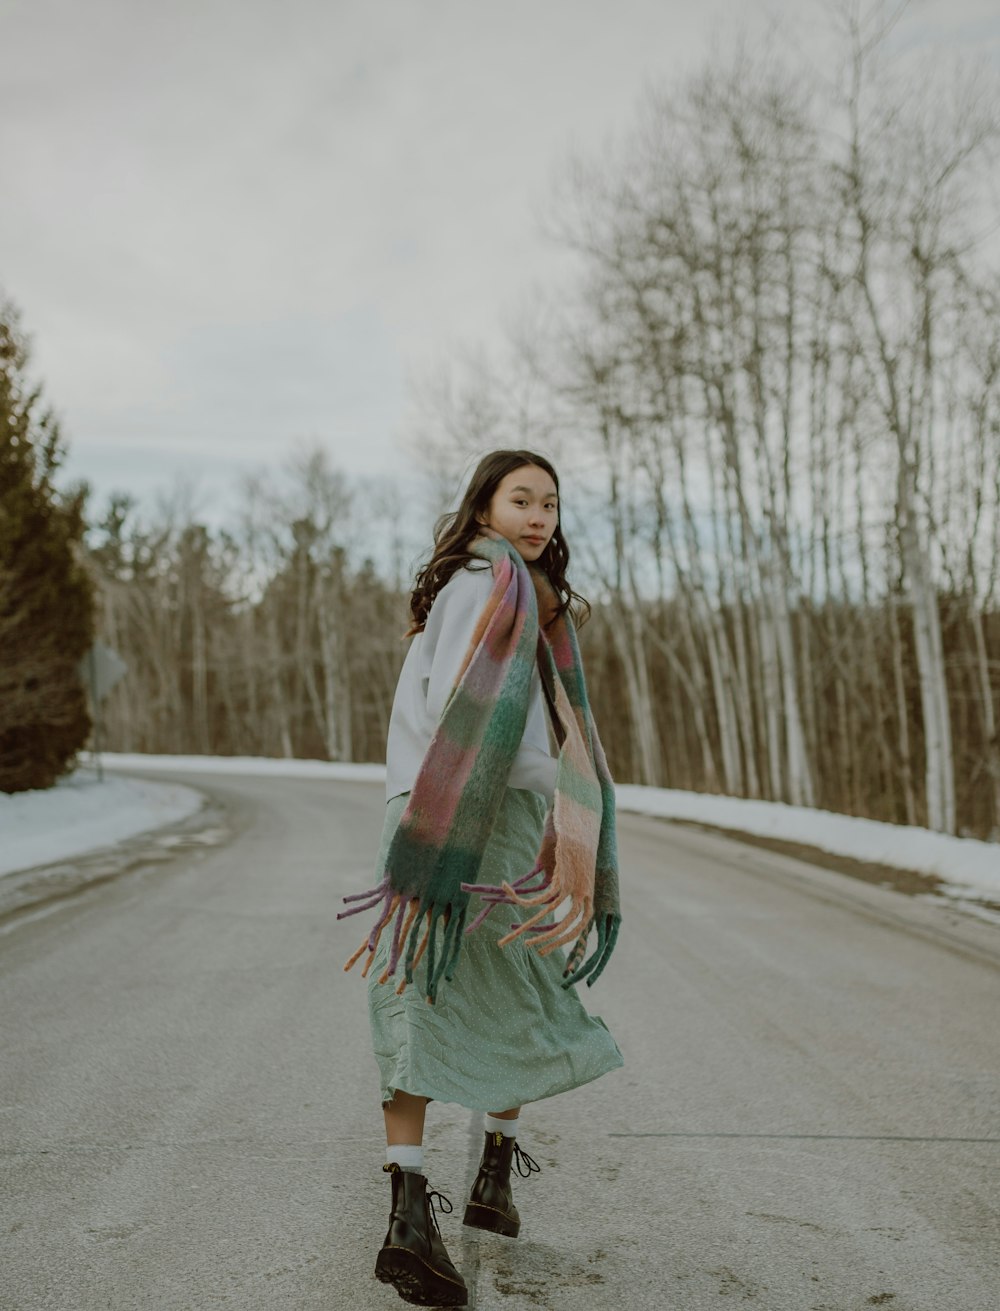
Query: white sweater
{"x":427,"y":677}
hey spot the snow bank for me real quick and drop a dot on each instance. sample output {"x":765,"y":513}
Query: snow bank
{"x":266,"y":766}
{"x":969,"y":866}
{"x":965,"y":863}
{"x":79,"y":814}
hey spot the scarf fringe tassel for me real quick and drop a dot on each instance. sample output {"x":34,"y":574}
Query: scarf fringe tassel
{"x":442,"y":937}
{"x":575,"y":925}
{"x":442,"y":956}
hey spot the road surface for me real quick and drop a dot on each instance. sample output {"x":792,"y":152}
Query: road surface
{"x":808,"y":1118}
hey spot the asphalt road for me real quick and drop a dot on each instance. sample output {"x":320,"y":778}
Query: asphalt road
{"x":808,"y":1118}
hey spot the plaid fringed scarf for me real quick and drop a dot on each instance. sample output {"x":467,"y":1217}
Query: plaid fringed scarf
{"x":436,"y":851}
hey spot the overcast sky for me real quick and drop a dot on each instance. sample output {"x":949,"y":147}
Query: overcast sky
{"x":231,"y":224}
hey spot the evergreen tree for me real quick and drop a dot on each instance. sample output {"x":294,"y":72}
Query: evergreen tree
{"x":46,"y":598}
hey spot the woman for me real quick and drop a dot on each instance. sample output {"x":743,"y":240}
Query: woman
{"x":481,"y":818}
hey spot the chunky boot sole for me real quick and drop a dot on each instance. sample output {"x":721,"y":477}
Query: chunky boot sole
{"x":478,"y":1216}
{"x":415,"y":1281}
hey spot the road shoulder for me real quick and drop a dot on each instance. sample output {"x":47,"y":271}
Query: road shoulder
{"x":901,"y":904}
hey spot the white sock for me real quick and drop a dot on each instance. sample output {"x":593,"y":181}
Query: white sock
{"x":408,"y":1157}
{"x":493,"y":1124}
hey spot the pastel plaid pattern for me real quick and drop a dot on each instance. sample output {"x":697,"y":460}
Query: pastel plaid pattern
{"x":436,"y":851}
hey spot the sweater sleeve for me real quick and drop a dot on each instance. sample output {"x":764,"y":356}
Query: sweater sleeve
{"x":534,"y":769}
{"x":447,"y":634}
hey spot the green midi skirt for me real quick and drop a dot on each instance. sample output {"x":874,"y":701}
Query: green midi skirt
{"x":503,"y":1031}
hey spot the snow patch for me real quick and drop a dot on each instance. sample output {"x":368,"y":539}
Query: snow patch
{"x":265,"y":766}
{"x":968,"y":865}
{"x":79,"y":814}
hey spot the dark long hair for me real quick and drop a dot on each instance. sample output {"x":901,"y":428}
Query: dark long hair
{"x":454,"y":531}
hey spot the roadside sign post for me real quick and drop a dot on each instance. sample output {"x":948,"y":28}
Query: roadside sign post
{"x":100,"y":669}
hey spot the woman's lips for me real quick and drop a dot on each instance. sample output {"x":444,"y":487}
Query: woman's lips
{"x":536,"y":540}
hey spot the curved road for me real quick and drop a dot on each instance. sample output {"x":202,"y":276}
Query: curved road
{"x":808,"y":1118}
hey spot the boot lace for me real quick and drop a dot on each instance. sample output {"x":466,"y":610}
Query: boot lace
{"x":444,"y":1202}
{"x":521,"y":1157}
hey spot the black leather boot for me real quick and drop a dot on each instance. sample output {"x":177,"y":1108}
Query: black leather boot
{"x":413,"y":1257}
{"x":491,"y":1203}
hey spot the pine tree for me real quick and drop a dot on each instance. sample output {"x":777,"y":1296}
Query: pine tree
{"x":46,"y":598}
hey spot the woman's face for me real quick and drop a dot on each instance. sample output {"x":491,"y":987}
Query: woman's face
{"x":525,"y":509}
